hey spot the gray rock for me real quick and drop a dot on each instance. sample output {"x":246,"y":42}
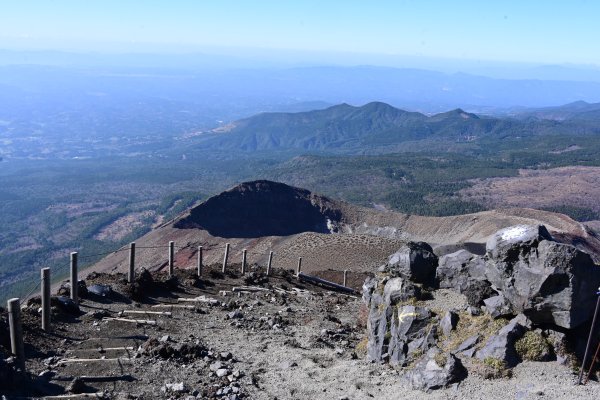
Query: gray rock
{"x":474,"y":311}
{"x":549,"y":282}
{"x":497,"y":306}
{"x":415,"y":261}
{"x":390,"y":329}
{"x":176,"y":387}
{"x":76,"y":386}
{"x":448,"y":322}
{"x":368,"y":288}
{"x":427,"y":375}
{"x":216,"y":365}
{"x":164,"y":339}
{"x":100,"y":290}
{"x":477,"y":290}
{"x":501,"y":346}
{"x":469,"y":343}
{"x":236,"y":314}
{"x":456,"y":270}
{"x":504,"y":244}
{"x":67,"y":304}
{"x":221,"y":372}
{"x":399,"y":289}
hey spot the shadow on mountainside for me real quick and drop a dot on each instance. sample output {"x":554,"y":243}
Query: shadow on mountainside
{"x":263,"y":208}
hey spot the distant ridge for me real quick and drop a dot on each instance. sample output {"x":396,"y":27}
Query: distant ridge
{"x":375,"y":126}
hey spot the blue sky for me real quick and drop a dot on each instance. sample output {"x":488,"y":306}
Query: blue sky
{"x":550,"y":31}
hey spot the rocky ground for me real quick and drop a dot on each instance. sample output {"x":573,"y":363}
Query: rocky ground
{"x":277,"y":339}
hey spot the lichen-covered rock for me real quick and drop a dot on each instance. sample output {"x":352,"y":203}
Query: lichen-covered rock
{"x":436,"y":370}
{"x":477,"y":291}
{"x":415,"y":261}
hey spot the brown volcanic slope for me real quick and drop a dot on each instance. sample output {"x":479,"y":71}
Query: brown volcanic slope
{"x":263,"y":216}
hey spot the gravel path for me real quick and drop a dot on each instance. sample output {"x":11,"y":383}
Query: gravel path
{"x":286,"y":344}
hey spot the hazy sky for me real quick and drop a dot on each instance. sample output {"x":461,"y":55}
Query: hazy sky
{"x":550,"y":31}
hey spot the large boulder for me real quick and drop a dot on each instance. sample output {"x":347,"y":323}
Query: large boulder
{"x":415,"y":261}
{"x":436,"y":370}
{"x":506,"y":244}
{"x":549,"y":282}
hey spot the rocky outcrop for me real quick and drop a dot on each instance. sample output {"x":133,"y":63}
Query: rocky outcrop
{"x":524,"y":275}
{"x":395,"y":331}
{"x":525,"y":271}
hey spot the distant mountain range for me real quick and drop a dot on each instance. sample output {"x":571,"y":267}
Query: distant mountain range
{"x":575,"y":111}
{"x":375,"y":126}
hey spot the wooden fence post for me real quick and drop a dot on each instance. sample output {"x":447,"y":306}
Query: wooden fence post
{"x":299,"y":269}
{"x":45,"y":299}
{"x":243,"y":261}
{"x":131,"y":274}
{"x":226,"y":256}
{"x":269,"y":264}
{"x":345,"y":277}
{"x":199,"y":261}
{"x":16,"y":331}
{"x":74,"y":278}
{"x":171,"y":257}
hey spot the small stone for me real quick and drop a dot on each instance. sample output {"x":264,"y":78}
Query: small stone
{"x":222,"y":372}
{"x":225,"y":355}
{"x":216,"y":365}
{"x":165,"y":339}
{"x":176,"y":387}
{"x":474,"y":311}
{"x":76,"y":386}
{"x":237,"y":314}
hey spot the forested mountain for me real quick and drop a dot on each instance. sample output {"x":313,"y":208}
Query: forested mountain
{"x":373,"y":127}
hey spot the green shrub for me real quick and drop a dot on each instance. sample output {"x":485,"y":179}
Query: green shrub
{"x":533,"y":347}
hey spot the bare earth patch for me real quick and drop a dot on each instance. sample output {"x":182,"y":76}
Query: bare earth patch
{"x":123,"y":226}
{"x":573,"y":186}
